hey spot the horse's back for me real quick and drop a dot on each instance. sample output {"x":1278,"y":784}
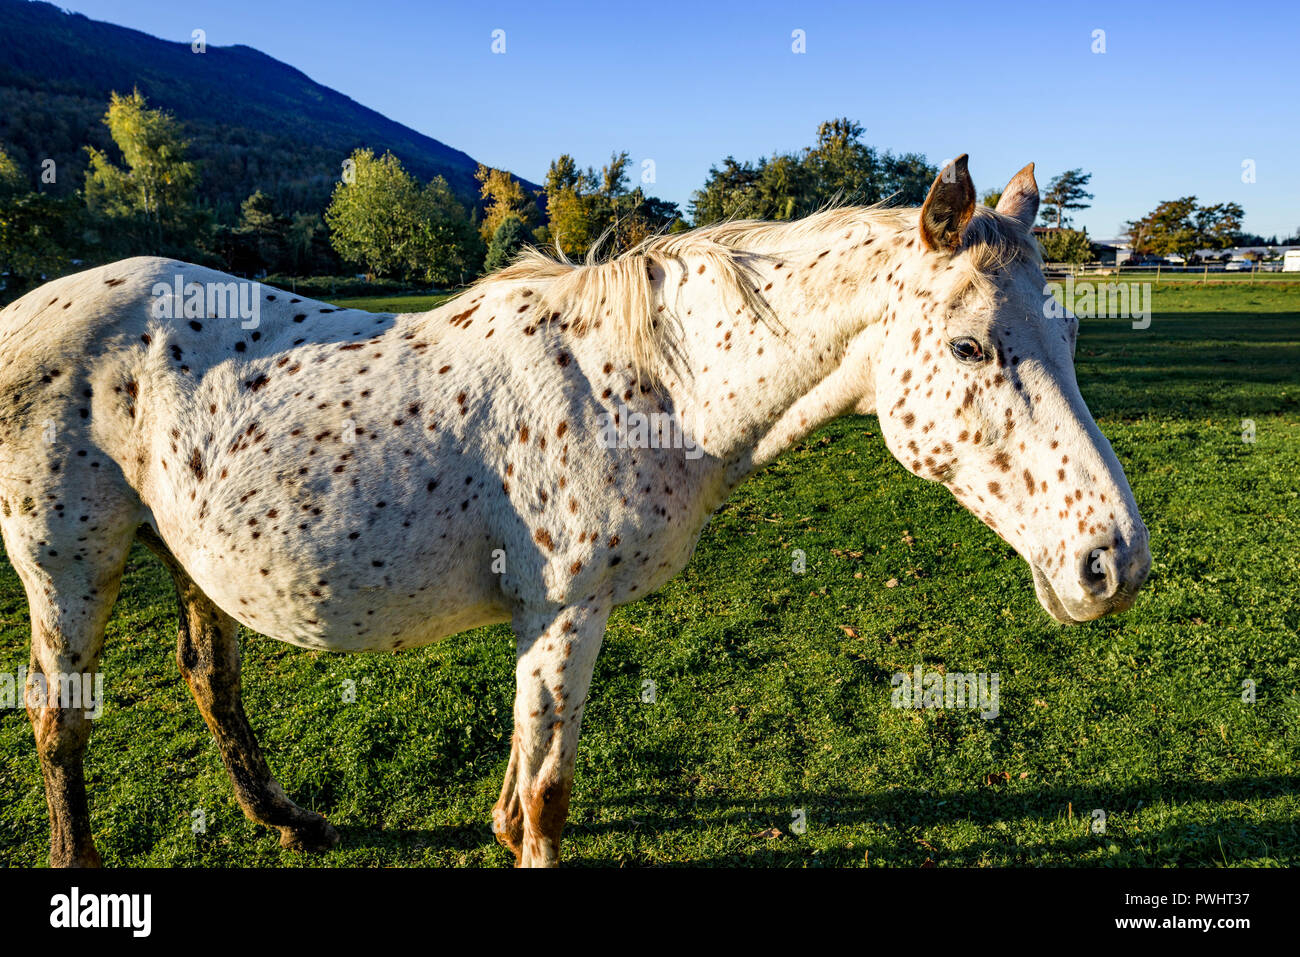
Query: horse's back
{"x":87,"y":299}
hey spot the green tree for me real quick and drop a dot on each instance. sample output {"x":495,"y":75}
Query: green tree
{"x":309,"y":251}
{"x":38,"y":232}
{"x":504,"y":196}
{"x":990,"y":198}
{"x":261,"y":236}
{"x":158,"y":181}
{"x":12,"y":180}
{"x":906,"y":178}
{"x":839,"y":167}
{"x":449,"y":250}
{"x":506,"y":242}
{"x":613,"y":176}
{"x":1218,"y":226}
{"x":569,"y":213}
{"x":380,"y":217}
{"x":374,"y":214}
{"x":727,"y":191}
{"x":1064,"y":193}
{"x":583,"y":207}
{"x":1181,"y":227}
{"x":38,"y":236}
{"x":1066,"y":246}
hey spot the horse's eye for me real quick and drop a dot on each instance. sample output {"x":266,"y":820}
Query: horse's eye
{"x":967,"y":349}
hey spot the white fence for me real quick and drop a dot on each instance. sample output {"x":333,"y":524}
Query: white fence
{"x":1202,"y":272}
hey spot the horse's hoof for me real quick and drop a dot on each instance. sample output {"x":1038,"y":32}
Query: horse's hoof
{"x":313,"y":834}
{"x":85,"y":858}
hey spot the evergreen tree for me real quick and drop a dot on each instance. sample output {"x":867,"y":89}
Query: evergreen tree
{"x":506,"y":242}
{"x":1064,"y":193}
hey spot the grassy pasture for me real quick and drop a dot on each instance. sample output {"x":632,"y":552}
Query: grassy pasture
{"x":416,"y":303}
{"x":773,"y":689}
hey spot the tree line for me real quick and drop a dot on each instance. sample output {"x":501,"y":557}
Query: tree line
{"x":385,"y":222}
{"x":1182,"y":227}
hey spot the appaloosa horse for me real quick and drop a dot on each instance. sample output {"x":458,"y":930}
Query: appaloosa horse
{"x":343,"y":480}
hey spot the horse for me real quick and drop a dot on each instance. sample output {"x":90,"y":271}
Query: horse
{"x":351,"y":481}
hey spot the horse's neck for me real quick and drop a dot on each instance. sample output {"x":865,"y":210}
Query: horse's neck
{"x":755,"y":387}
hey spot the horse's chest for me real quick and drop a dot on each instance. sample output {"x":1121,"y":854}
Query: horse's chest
{"x":637,"y":529}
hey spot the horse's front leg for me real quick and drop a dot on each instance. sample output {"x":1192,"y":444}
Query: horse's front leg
{"x":508,"y":815}
{"x":556,"y":653}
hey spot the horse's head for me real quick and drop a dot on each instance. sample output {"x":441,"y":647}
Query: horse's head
{"x":974,"y":384}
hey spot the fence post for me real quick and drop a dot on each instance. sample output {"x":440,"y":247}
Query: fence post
{"x":1205,"y":276}
{"x":1157,"y":274}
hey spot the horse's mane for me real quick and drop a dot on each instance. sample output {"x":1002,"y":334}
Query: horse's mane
{"x":618,"y":292}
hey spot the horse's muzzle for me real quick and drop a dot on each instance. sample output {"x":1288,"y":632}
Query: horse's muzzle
{"x":1109,"y":578}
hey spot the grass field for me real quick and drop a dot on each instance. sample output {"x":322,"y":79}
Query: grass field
{"x":395,"y":303}
{"x":773,"y":689}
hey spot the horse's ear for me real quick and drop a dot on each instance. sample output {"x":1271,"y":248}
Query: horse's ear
{"x":1020,"y":198}
{"x":949,"y":207}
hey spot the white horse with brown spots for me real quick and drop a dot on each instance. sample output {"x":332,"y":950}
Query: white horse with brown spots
{"x":349,"y":481}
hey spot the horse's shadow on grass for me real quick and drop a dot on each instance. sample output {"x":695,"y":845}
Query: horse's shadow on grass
{"x":412,"y":841}
{"x":909,"y":811}
{"x":905,"y":813}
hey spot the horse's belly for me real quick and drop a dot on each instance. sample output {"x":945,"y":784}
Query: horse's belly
{"x":353,"y":578}
{"x":326,"y":606}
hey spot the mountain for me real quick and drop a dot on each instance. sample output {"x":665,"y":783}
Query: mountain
{"x":252,"y":121}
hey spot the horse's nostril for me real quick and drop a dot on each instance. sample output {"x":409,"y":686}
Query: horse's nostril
{"x":1098,"y":573}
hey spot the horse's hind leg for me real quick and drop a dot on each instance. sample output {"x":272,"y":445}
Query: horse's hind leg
{"x":71,"y":580}
{"x":207,"y":652}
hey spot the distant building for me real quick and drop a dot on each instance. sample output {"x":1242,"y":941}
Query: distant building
{"x":1112,"y":252}
{"x":1119,"y":252}
{"x":1252,"y":253}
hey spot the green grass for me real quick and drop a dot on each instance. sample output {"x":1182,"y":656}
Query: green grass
{"x":767,"y":704}
{"x":414,"y":303}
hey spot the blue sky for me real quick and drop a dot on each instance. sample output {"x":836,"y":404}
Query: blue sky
{"x":1183,"y":94}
